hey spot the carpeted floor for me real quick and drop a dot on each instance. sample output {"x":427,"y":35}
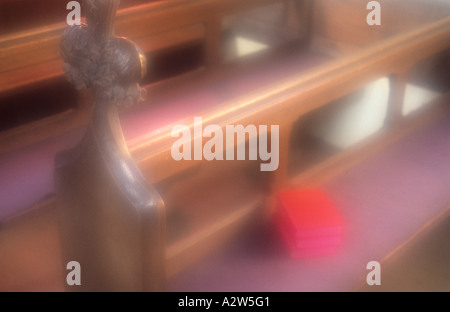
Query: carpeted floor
{"x":423,"y":265}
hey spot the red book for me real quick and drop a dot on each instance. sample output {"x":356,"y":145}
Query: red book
{"x":284,"y":220}
{"x":309,"y":211}
{"x":309,"y":223}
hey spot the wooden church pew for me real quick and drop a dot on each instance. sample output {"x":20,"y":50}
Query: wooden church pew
{"x":31,"y":57}
{"x":274,"y":102}
{"x":52,"y":127}
{"x":51,"y":148}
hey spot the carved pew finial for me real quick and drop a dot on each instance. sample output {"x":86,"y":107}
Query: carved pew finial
{"x":112,"y":220}
{"x":95,"y":58}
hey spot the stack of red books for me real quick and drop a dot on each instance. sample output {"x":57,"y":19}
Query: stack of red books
{"x":309,"y":223}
